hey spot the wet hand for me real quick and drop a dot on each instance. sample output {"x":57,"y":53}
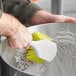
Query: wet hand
{"x":17,"y":34}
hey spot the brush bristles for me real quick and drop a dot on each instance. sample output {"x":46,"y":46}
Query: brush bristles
{"x":39,"y":36}
{"x":32,"y":56}
{"x":30,"y":53}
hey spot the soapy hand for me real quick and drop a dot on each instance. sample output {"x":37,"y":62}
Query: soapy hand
{"x":21,"y":38}
{"x":17,"y":34}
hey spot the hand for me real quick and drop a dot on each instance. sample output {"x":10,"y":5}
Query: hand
{"x":17,"y":34}
{"x":45,"y":17}
{"x":21,"y":38}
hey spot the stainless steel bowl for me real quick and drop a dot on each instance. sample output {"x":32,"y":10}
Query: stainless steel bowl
{"x":64,"y":64}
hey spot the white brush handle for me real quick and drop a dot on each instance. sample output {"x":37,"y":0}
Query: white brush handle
{"x":45,"y":49}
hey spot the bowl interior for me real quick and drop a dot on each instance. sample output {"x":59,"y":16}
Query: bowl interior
{"x":64,"y":64}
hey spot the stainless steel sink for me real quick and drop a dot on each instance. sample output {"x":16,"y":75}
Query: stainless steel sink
{"x":64,"y":64}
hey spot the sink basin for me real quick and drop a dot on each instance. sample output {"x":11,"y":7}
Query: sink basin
{"x":64,"y":64}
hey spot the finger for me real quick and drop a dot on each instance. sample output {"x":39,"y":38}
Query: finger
{"x":70,"y":19}
{"x":62,"y":18}
{"x":26,"y":47}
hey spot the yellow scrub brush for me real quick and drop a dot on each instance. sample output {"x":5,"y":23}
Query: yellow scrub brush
{"x":42,"y":48}
{"x":39,"y":36}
